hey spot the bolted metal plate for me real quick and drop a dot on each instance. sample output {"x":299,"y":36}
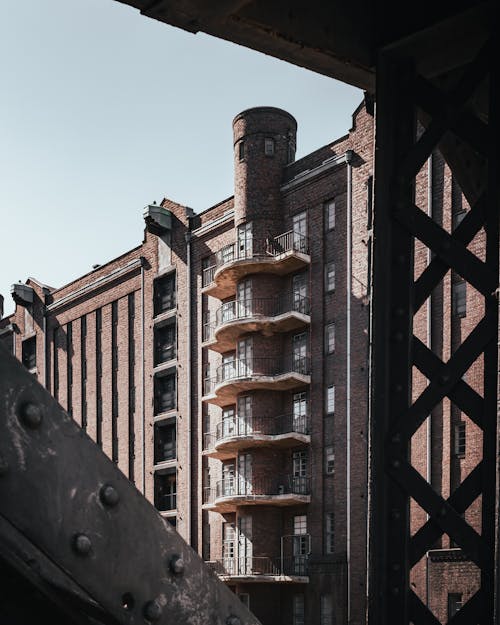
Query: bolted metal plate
{"x":61,"y":494}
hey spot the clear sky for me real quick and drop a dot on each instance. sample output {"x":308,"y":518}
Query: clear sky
{"x":104,"y":111}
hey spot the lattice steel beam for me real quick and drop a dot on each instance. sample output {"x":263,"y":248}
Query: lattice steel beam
{"x":449,"y":120}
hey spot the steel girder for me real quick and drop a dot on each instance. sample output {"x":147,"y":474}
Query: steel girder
{"x":466,"y":136}
{"x":78,"y":532}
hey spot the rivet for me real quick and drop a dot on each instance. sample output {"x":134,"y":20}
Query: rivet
{"x":399,"y":311}
{"x":152,"y":610}
{"x":396,"y":566}
{"x":109,"y":495}
{"x":398,"y":336}
{"x":401,"y":259}
{"x":4,"y":466}
{"x":177,"y":565}
{"x":395,"y":590}
{"x":395,"y":463}
{"x":443,"y":512}
{"x":398,"y":388}
{"x":395,"y":438}
{"x":395,"y":514}
{"x":233,"y":620}
{"x":30,"y":414}
{"x":82,"y":544}
{"x":444,"y":379}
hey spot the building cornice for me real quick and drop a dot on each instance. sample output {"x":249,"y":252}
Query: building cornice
{"x":99,"y":282}
{"x":215,"y":223}
{"x":308,"y":174}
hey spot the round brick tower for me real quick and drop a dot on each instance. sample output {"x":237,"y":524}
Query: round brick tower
{"x":264,"y":142}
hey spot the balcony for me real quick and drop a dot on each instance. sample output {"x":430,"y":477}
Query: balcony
{"x":261,"y":569}
{"x":280,"y":255}
{"x":228,"y":493}
{"x":268,"y":315}
{"x":249,"y":374}
{"x":233,"y":434}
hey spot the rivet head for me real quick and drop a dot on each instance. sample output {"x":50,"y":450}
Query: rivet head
{"x":396,"y":566}
{"x":109,"y":495}
{"x":395,"y":591}
{"x":395,"y":463}
{"x":82,"y":544}
{"x":395,"y":438}
{"x":395,"y":514}
{"x":30,"y":415}
{"x":177,"y":565}
{"x":4,"y":466}
{"x":444,"y":379}
{"x":398,"y":337}
{"x":152,"y":610}
{"x":233,"y":620}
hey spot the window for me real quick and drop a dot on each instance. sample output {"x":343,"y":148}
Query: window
{"x":290,"y":147}
{"x":300,"y":544}
{"x":330,"y":276}
{"x":329,"y":533}
{"x":299,"y":412}
{"x":454,"y":603}
{"x":299,"y":479}
{"x":300,"y":232}
{"x":330,"y":399}
{"x":298,"y":610}
{"x":165,"y":490}
{"x":165,"y":343}
{"x":244,"y":597}
{"x":29,"y":353}
{"x":299,"y":293}
{"x":245,"y":243}
{"x":459,"y":440}
{"x":330,"y":338}
{"x":165,"y":398}
{"x":330,"y":215}
{"x":241,"y":150}
{"x":165,"y":442}
{"x":269,"y":146}
{"x":459,"y":297}
{"x":164,"y":294}
{"x":326,"y":610}
{"x":228,"y":547}
{"x":299,"y":353}
{"x":329,"y":460}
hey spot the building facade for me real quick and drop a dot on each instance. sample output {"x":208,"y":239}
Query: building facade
{"x":223,"y":365}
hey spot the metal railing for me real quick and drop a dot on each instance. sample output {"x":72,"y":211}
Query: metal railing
{"x":271,"y":486}
{"x":255,"y":368}
{"x":249,"y":565}
{"x":254,"y":308}
{"x":254,"y":425}
{"x":256,"y":248}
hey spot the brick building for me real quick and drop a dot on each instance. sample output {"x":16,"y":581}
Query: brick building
{"x":223,"y":364}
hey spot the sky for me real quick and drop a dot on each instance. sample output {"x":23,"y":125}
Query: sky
{"x":104,"y":111}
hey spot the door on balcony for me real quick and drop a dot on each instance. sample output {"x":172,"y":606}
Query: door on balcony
{"x":245,"y":357}
{"x":245,"y":546}
{"x":228,"y":422}
{"x":227,"y":479}
{"x":299,"y":412}
{"x":300,"y":547}
{"x":299,"y":476}
{"x":299,"y":293}
{"x":300,"y":232}
{"x":244,"y":474}
{"x":244,"y":299}
{"x":245,"y":243}
{"x":228,"y":548}
{"x":245,"y":415}
{"x":299,"y":352}
{"x":228,"y":367}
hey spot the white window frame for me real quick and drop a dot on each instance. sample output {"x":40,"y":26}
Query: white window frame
{"x":329,"y":215}
{"x":329,"y":460}
{"x":330,"y":277}
{"x":330,"y":338}
{"x":330,"y":399}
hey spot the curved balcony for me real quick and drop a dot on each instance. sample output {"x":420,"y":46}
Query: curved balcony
{"x":262,"y":569}
{"x":246,"y":374}
{"x":229,"y":493}
{"x":268,"y":315}
{"x":233,"y":434}
{"x":280,"y":255}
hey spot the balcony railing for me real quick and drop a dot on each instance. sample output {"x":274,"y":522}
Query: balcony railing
{"x":256,"y":248}
{"x":296,"y":565}
{"x":271,"y":486}
{"x":256,"y":368}
{"x":257,"y":425}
